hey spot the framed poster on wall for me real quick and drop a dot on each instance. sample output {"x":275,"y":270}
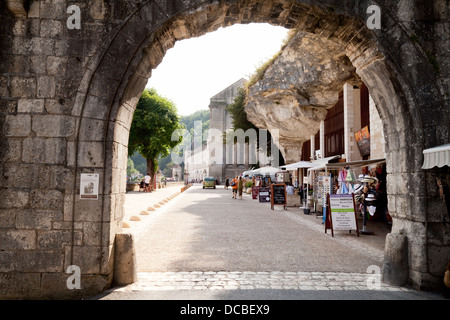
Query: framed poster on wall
{"x":362,"y":138}
{"x":89,"y":186}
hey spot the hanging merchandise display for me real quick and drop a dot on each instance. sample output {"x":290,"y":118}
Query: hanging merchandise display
{"x":351,"y":181}
{"x":368,"y":201}
{"x":346,"y":181}
{"x":371,"y":204}
{"x":344,"y":188}
{"x":351,"y":188}
{"x":349,"y":177}
{"x":326,"y":190}
{"x":341,"y":181}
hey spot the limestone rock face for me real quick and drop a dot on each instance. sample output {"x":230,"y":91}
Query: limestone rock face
{"x":297,"y":89}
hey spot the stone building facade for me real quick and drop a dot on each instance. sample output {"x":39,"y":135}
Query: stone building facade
{"x":196,"y":163}
{"x":70,"y":79}
{"x":220,"y":119}
{"x":203,"y":160}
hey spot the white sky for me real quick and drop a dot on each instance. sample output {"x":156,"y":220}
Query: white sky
{"x":196,"y":69}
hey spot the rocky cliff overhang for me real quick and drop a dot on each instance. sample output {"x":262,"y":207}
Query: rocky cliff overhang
{"x":297,"y":89}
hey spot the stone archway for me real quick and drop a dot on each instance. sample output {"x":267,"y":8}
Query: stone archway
{"x":107,"y":65}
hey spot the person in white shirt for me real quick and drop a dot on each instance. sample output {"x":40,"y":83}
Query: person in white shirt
{"x":290,"y":189}
{"x":147,"y":182}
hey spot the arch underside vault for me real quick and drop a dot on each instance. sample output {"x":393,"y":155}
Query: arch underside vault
{"x":112,"y":60}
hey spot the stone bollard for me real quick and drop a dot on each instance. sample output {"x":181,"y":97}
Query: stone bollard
{"x":124,"y":259}
{"x":395,"y":269}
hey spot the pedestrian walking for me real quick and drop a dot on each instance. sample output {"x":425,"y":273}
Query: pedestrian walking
{"x":240,"y":186}
{"x":227,"y":183}
{"x":234,"y":186}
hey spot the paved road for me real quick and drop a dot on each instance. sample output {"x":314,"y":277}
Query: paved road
{"x":207,"y":230}
{"x":203,"y":244}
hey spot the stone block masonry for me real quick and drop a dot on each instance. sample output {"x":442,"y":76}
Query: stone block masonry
{"x":67,"y":97}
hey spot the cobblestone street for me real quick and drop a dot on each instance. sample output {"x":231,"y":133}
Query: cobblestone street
{"x":207,"y":230}
{"x":185,"y":246}
{"x":247,"y":280}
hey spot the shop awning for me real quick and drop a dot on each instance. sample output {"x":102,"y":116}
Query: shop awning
{"x":351,"y":164}
{"x":321,"y":163}
{"x":436,"y":157}
{"x":298,"y":165}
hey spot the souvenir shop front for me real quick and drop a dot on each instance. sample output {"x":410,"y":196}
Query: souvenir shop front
{"x":366,"y":179}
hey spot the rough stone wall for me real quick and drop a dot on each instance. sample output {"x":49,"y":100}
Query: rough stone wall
{"x":298,"y":88}
{"x":352,"y":122}
{"x":377,"y":140}
{"x":68,"y":96}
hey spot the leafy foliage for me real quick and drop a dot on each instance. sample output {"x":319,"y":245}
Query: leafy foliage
{"x":237,"y":112}
{"x":139,"y":162}
{"x":131,"y":170}
{"x":201,"y":115}
{"x":240,"y":121}
{"x":154,"y":120}
{"x":165,"y":162}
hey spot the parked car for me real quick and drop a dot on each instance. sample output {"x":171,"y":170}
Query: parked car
{"x":209,"y":182}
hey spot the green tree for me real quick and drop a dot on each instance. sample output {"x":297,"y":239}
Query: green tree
{"x":140,"y":163}
{"x":237,"y":112}
{"x":200,"y":115}
{"x":239,"y":120}
{"x":154,"y":121}
{"x":131,"y":170}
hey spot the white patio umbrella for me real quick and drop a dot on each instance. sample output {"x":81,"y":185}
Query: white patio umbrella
{"x":298,"y":165}
{"x":266,"y":170}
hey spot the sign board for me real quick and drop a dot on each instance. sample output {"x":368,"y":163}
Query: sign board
{"x":278,"y":195}
{"x":89,"y":186}
{"x":282,"y":177}
{"x":341,"y":213}
{"x":255,"y":191}
{"x":264,"y":194}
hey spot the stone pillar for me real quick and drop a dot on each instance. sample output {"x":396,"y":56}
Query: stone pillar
{"x":125,"y":259}
{"x":246,"y":154}
{"x":313,"y":146}
{"x":322,"y":139}
{"x":377,"y":140}
{"x":291,"y":151}
{"x":395,"y":269}
{"x":352,"y":121}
